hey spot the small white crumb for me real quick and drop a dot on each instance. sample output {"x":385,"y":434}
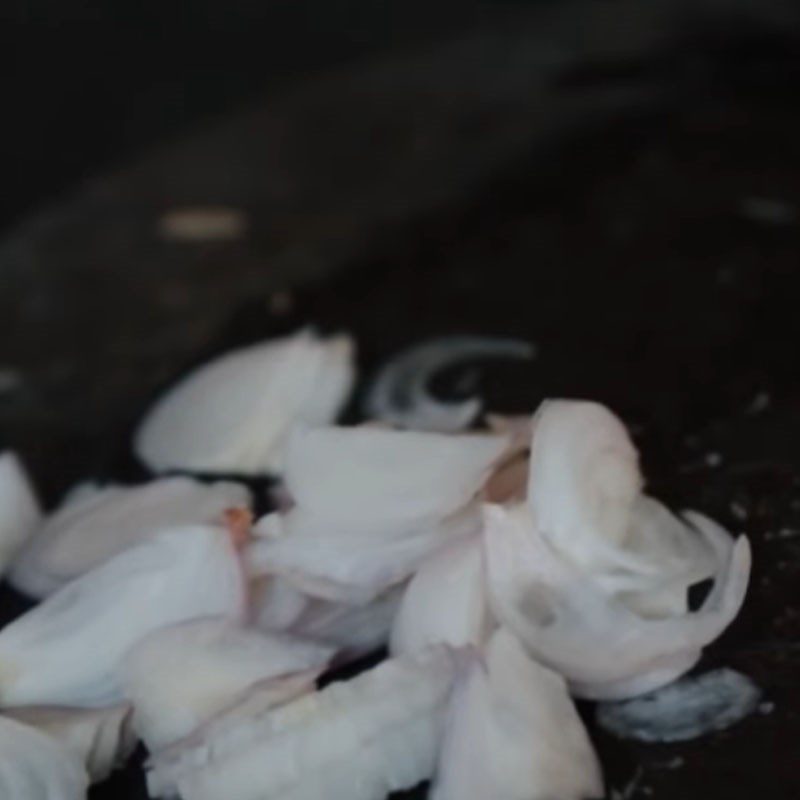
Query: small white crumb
{"x":281,"y":303}
{"x":713,"y":459}
{"x":759,"y":403}
{"x":10,"y":380}
{"x":766,"y":707}
{"x":769,"y":536}
{"x":788,"y":533}
{"x":767,"y":210}
{"x":675,"y":763}
{"x":738,"y":511}
{"x":203,"y":224}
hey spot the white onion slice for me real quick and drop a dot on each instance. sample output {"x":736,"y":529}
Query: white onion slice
{"x":584,"y":478}
{"x":369,"y":474}
{"x":94,"y":524}
{"x":353,"y":630}
{"x":568,"y":622}
{"x":361,"y":739}
{"x":233,"y":414}
{"x":33,"y":766}
{"x":67,"y":650}
{"x":513,"y":732}
{"x":181,"y":676}
{"x":353,"y":562}
{"x":445,"y":602}
{"x":102,"y":738}
{"x":20,"y":514}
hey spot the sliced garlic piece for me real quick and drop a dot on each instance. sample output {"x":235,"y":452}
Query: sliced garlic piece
{"x":233,"y":414}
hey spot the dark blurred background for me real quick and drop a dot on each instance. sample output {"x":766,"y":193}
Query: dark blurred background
{"x":90,"y":84}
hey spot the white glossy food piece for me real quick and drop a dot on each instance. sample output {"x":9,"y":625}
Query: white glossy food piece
{"x":233,"y":414}
{"x":446,"y":601}
{"x":353,"y":562}
{"x":568,"y":621}
{"x":584,"y":492}
{"x":102,"y":738}
{"x":360,"y":739}
{"x":34,"y":766}
{"x":369,"y":474}
{"x":370,"y":506}
{"x":67,"y":651}
{"x":181,"y":676}
{"x":513,"y":733}
{"x":94,"y":524}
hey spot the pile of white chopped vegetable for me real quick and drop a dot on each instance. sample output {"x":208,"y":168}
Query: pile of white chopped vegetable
{"x":509,"y":570}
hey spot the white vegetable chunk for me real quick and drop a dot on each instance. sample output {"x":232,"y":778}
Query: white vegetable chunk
{"x":94,"y":524}
{"x":353,"y":563}
{"x":67,"y":651}
{"x":445,"y":602}
{"x":20,"y":514}
{"x":370,"y":474}
{"x":181,"y":676}
{"x":568,"y":621}
{"x":361,"y":739}
{"x":513,"y":733}
{"x":233,"y":414}
{"x":370,"y":506}
{"x":102,"y":738}
{"x":584,"y":491}
{"x":33,"y":766}
{"x":354,"y":631}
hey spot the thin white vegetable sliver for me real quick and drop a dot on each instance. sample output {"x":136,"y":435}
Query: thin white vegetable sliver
{"x":233,"y":414}
{"x":513,"y":733}
{"x":181,"y":676}
{"x":34,"y":766}
{"x":67,"y":651}
{"x":94,"y":524}
{"x":102,"y":738}
{"x":567,"y":622}
{"x":362,"y":739}
{"x":445,"y":602}
{"x":20,"y":514}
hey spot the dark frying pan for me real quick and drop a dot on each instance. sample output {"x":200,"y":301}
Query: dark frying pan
{"x":625,"y":195}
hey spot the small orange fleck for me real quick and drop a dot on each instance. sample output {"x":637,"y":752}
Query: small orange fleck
{"x":238,"y":521}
